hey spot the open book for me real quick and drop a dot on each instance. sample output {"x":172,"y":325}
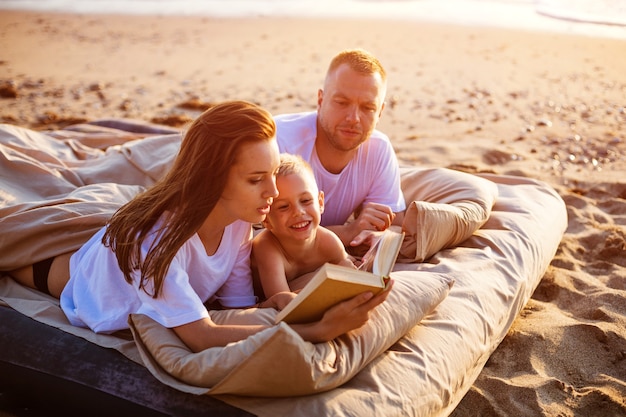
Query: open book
{"x":332,"y":284}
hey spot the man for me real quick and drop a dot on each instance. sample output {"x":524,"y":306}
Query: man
{"x":354,"y":164}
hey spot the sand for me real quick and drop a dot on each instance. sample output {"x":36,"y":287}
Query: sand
{"x":540,"y":105}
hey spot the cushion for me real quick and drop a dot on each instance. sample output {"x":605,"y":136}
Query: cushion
{"x":300,"y":367}
{"x":444,"y":208}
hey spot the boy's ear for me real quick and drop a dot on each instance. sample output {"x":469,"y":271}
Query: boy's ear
{"x":266,"y":224}
{"x":320,"y":199}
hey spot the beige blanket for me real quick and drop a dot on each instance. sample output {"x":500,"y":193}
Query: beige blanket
{"x":500,"y":234}
{"x":58,"y":188}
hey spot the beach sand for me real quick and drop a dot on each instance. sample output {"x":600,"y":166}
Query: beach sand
{"x":540,"y":105}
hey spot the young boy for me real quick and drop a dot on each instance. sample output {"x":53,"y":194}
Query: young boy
{"x":293,"y":244}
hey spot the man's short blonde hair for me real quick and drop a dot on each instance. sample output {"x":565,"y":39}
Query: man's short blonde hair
{"x":359,"y":60}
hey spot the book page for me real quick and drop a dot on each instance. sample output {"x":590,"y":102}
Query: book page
{"x":367,"y":261}
{"x":381,"y":256}
{"x":387,"y":253}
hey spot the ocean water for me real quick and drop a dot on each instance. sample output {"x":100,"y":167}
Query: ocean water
{"x":605,"y":18}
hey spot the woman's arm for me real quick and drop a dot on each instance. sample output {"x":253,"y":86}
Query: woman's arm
{"x":204,"y":333}
{"x":345,"y":316}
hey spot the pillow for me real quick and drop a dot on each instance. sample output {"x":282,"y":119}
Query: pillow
{"x":277,"y":361}
{"x":444,"y":208}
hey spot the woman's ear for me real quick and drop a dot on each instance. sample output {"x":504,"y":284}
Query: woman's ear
{"x":320,"y":199}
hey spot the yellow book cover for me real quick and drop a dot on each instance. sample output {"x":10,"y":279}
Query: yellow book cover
{"x":332,"y":284}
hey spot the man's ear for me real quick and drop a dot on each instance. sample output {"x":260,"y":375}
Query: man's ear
{"x":320,"y":199}
{"x":320,"y":97}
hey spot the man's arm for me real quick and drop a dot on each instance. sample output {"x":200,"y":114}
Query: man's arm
{"x":372,"y":217}
{"x":384,"y":203}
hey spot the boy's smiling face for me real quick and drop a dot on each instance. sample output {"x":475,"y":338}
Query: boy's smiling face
{"x":296,"y":212}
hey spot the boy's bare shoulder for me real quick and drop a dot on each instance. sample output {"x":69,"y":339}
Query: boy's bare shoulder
{"x":263,"y":239}
{"x":329,"y":241}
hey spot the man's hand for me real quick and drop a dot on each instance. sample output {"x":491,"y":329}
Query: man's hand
{"x":362,"y":242}
{"x":374,"y":216}
{"x":369,"y":218}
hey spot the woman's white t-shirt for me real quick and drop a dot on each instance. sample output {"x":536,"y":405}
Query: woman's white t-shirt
{"x":97,"y":295}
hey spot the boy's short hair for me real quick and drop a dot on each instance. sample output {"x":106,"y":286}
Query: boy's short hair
{"x":293,"y":164}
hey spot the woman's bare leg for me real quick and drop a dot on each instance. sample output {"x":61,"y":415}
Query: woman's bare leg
{"x":57,"y":277}
{"x":24,"y":276}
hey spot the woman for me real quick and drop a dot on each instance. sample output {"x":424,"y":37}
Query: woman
{"x":186,"y":241}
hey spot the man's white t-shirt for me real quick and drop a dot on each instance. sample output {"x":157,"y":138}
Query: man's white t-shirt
{"x":97,"y":295}
{"x":371,"y":176}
